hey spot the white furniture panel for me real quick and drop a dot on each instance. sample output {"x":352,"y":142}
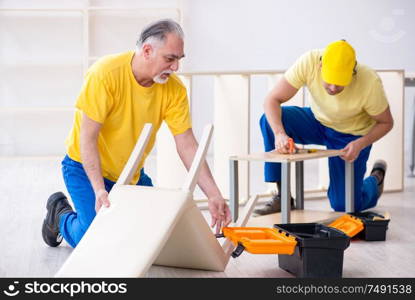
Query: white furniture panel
{"x":390,"y":147}
{"x":231,"y":120}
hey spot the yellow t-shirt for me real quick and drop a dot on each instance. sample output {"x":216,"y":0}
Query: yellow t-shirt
{"x":349,"y":111}
{"x":111,"y":96}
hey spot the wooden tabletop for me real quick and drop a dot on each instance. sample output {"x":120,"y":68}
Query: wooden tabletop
{"x":276,"y":157}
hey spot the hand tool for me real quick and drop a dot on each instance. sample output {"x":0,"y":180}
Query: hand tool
{"x":293,"y":150}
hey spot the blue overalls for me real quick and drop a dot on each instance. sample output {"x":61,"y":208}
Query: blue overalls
{"x":73,"y":225}
{"x":301,"y":125}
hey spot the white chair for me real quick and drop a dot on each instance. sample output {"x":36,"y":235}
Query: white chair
{"x":146,"y":225}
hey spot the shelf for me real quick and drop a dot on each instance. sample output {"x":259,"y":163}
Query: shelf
{"x":91,"y":8}
{"x":95,"y":8}
{"x":86,"y":12}
{"x":36,"y":109}
{"x":33,"y":63}
{"x":41,"y":9}
{"x":53,"y":64}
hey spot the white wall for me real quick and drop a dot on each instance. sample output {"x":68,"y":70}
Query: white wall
{"x":220,"y":35}
{"x":271,"y":34}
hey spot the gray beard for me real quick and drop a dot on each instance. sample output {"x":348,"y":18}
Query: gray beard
{"x":158,"y":79}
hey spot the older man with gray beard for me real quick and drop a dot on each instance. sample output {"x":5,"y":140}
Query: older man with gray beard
{"x":121,"y":93}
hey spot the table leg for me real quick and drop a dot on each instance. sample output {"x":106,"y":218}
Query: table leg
{"x":285,"y":193}
{"x":349,"y":188}
{"x":233,"y":189}
{"x":299,"y":185}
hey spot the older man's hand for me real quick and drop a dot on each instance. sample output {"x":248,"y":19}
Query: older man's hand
{"x":101,"y":199}
{"x":220,"y":213}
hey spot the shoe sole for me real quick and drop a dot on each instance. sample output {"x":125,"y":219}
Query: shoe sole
{"x":259,"y":214}
{"x":48,"y":237}
{"x":380,"y":164}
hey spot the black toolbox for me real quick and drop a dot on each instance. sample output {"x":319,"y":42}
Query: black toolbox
{"x":375,"y":226}
{"x":318,"y":253}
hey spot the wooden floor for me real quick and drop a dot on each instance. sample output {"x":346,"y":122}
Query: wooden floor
{"x":25,"y":185}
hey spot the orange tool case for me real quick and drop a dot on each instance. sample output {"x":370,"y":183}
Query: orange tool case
{"x":260,"y":240}
{"x":350,"y":225}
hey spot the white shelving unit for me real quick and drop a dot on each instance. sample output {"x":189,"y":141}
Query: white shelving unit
{"x":47,"y":46}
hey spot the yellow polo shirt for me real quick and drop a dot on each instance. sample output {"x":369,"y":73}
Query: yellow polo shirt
{"x":349,"y":111}
{"x":111,"y":96}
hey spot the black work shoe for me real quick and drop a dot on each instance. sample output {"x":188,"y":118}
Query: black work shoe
{"x":379,"y":171}
{"x":272,"y":206}
{"x":56,"y":206}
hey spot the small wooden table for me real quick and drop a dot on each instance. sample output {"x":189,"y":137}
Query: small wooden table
{"x":286,"y":160}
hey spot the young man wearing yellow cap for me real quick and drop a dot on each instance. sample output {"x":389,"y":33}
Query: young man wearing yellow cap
{"x":348,"y":111}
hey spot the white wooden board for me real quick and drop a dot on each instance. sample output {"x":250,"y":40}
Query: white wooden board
{"x":124,"y":239}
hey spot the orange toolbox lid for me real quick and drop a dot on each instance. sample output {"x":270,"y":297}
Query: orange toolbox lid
{"x":258,"y":240}
{"x":350,"y":225}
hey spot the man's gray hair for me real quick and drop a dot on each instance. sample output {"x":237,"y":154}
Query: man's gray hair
{"x":157,"y":31}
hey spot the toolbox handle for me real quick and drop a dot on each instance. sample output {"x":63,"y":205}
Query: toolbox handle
{"x":238,"y":251}
{"x":326,"y":232}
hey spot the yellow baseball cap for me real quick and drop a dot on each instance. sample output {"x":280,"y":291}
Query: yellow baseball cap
{"x":337,"y":63}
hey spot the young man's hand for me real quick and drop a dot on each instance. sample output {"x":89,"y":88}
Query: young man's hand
{"x":282,"y":144}
{"x":352,"y":151}
{"x":220,"y":213}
